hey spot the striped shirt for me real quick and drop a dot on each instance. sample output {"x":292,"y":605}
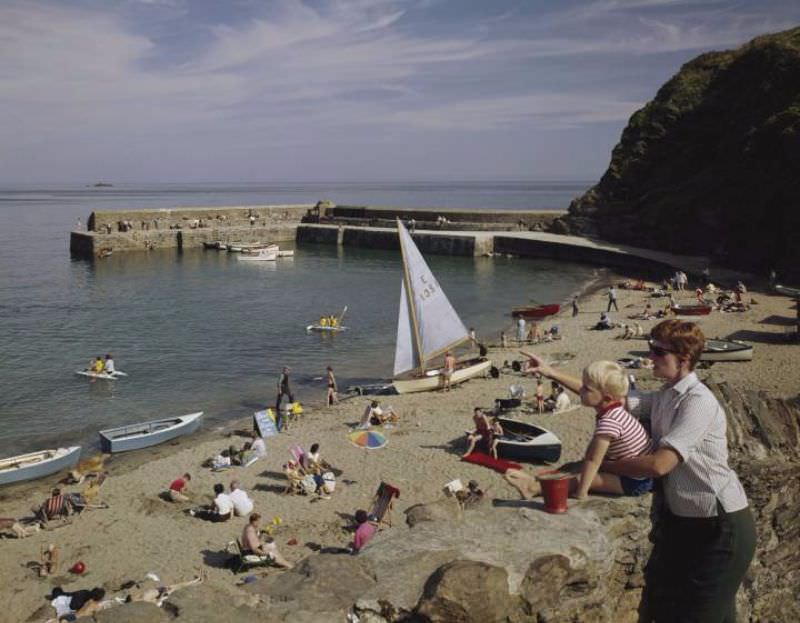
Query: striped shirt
{"x":687,"y":418}
{"x":627,"y":436}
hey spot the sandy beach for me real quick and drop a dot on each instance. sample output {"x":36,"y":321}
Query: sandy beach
{"x":140,"y":532}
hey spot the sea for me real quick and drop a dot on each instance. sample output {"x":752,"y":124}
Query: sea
{"x":200,"y":331}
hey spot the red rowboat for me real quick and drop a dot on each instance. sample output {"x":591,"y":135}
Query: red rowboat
{"x":536,"y":311}
{"x":692,"y":310}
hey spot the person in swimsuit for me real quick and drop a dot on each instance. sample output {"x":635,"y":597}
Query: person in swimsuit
{"x":331,"y":397}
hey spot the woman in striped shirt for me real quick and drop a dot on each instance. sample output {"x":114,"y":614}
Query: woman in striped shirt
{"x":617,"y":435}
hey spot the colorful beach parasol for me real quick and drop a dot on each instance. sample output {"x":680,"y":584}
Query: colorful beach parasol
{"x":367,"y":439}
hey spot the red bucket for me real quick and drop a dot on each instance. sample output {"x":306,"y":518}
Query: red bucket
{"x":555,"y":490}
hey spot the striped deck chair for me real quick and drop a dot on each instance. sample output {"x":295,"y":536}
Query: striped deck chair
{"x":298,"y":455}
{"x":382,"y":503}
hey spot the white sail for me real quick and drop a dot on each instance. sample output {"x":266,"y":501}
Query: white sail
{"x":429,"y":325}
{"x":405,"y":354}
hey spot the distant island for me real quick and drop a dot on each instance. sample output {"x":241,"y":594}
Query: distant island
{"x":103,"y":185}
{"x":709,"y":166}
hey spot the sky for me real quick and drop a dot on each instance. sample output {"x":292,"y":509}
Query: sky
{"x":341,"y":90}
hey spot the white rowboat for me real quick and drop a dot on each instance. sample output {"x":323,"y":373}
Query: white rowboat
{"x":37,"y":464}
{"x":145,"y":434}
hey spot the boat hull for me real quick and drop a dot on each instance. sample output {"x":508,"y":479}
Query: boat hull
{"x":146,"y":434}
{"x":538,"y":311}
{"x":726,"y":350}
{"x":787,"y":291}
{"x":317,"y":327}
{"x":526,"y":443}
{"x":434,"y":382}
{"x":261,"y":257}
{"x":101,"y":375}
{"x":37,"y":464}
{"x":691,"y":310}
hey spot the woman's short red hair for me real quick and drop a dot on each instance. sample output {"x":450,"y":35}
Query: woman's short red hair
{"x":684,"y":338}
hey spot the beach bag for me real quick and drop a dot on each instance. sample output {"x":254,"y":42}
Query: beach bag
{"x":308,"y":484}
{"x":330,"y":481}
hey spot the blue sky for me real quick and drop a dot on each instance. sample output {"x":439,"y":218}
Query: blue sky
{"x":350,"y":90}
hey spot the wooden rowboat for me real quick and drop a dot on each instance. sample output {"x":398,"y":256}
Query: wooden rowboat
{"x":145,"y":434}
{"x":726,"y":350}
{"x":525,"y":442}
{"x":37,"y":464}
{"x":535,"y":311}
{"x":691,"y":310}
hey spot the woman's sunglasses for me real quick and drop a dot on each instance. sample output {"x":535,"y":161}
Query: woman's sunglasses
{"x":658,"y":351}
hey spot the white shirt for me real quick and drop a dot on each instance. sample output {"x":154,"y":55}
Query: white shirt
{"x":242,"y":504}
{"x":223,"y":504}
{"x":108,"y":366}
{"x":259,"y":447}
{"x":687,"y":418}
{"x":562,"y":402}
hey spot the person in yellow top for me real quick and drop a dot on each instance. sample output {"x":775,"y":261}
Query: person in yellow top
{"x":98,"y":365}
{"x":323,"y":321}
{"x":334,"y":321}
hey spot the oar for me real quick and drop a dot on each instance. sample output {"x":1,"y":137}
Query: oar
{"x":344,"y":311}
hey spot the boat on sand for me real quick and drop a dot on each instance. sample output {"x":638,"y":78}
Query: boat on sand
{"x":535,"y":311}
{"x":427,"y":327}
{"x":691,"y":310}
{"x":726,"y":350}
{"x":37,"y":464}
{"x":145,"y":434}
{"x":526,"y":442}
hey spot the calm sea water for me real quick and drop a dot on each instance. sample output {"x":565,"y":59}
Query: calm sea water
{"x":202,"y":331}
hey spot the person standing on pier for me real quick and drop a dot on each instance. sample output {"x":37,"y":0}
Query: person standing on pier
{"x":283,"y":390}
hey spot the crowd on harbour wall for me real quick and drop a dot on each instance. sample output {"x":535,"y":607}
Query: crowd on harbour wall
{"x":179,"y":228}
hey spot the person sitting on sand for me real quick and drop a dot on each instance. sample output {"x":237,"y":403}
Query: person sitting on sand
{"x":179,"y":488}
{"x":313,"y":462}
{"x":618,"y":435}
{"x":57,"y":506}
{"x":485,"y":431}
{"x":365,"y":530}
{"x":252,"y":543}
{"x":257,"y":445}
{"x":539,"y":394}
{"x":295,"y":475}
{"x":242,"y":504}
{"x":604,"y":323}
{"x":220,"y":510}
{"x":375,"y":415}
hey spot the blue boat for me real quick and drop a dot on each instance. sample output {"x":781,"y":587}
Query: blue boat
{"x":37,"y":464}
{"x":145,"y":434}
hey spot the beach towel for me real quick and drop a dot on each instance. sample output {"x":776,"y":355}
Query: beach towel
{"x":499,"y":465}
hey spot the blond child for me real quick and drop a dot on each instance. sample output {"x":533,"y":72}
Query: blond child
{"x":617,"y":435}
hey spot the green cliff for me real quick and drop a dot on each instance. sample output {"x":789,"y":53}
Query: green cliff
{"x":711,"y":166}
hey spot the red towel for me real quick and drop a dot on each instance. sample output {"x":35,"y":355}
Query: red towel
{"x":499,"y":465}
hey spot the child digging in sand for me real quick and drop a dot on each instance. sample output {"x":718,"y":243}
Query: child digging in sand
{"x":617,"y":434}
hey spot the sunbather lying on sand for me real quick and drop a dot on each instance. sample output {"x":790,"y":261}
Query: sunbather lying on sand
{"x":159,"y":595}
{"x":11,"y":527}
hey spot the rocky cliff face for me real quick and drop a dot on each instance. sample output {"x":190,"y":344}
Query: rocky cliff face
{"x":711,"y":166}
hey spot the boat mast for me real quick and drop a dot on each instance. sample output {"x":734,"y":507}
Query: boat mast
{"x":410,"y":298}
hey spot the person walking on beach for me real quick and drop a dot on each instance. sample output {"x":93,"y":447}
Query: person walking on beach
{"x":612,"y":299}
{"x":331,"y":398}
{"x":520,"y":329}
{"x":575,"y":309}
{"x":283,"y":390}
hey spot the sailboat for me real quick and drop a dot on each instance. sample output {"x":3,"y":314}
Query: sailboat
{"x":427,"y":327}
